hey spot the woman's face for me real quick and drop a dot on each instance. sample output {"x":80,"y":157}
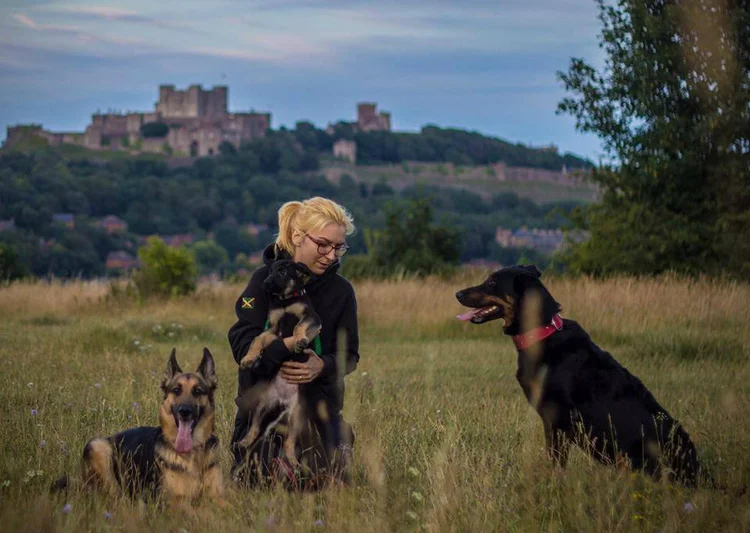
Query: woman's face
{"x":307,"y":246}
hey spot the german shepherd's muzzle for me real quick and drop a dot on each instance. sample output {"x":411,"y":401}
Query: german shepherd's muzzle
{"x":177,"y":460}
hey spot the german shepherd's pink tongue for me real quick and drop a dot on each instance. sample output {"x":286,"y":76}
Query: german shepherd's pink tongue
{"x":468,"y":315}
{"x":184,"y":441}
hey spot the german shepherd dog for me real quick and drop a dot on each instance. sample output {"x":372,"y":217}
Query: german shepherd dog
{"x":583,"y":395}
{"x":285,"y":286}
{"x":178,"y":460}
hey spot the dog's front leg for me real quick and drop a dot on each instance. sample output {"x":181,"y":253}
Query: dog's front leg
{"x":259,"y":344}
{"x":556,"y":440}
{"x":306,"y":330}
{"x":213,"y":484}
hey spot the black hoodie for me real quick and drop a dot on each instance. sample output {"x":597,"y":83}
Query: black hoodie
{"x":333,"y":299}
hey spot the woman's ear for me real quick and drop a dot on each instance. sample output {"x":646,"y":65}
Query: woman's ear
{"x":297,"y":237}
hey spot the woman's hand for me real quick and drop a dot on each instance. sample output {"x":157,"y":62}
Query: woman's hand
{"x":299,"y":373}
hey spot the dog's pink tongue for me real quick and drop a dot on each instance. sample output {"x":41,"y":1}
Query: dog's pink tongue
{"x":469,"y":315}
{"x":184,"y":441}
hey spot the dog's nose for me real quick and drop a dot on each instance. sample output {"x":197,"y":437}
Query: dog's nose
{"x":459,"y":295}
{"x":185,"y":411}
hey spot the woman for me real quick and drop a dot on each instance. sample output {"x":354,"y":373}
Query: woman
{"x":314,"y":233}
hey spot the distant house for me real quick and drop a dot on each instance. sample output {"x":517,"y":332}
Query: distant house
{"x":345,"y":149}
{"x":255,"y":229}
{"x":256,"y":258}
{"x":113,"y":224}
{"x":7,"y":224}
{"x":180,"y":239}
{"x":543,"y":240}
{"x":121,"y":261}
{"x":66,"y":219}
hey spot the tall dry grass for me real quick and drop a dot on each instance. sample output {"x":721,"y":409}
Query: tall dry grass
{"x":445,"y":439}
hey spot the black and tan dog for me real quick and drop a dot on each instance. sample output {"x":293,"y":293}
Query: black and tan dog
{"x":287,"y":298}
{"x":583,"y":395}
{"x":178,"y":460}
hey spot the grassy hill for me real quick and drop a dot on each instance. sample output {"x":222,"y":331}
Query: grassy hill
{"x":480,"y":179}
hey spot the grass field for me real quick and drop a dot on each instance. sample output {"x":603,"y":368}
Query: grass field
{"x":445,"y":439}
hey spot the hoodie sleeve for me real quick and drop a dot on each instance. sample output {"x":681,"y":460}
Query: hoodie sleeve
{"x":348,"y":328}
{"x":252,"y":312}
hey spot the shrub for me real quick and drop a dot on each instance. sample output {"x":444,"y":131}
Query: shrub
{"x":165,"y":271}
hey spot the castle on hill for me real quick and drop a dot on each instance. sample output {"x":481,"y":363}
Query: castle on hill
{"x":192,"y":122}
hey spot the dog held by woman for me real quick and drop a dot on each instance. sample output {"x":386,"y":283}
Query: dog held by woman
{"x":583,"y":395}
{"x":177,"y":461}
{"x":287,"y":298}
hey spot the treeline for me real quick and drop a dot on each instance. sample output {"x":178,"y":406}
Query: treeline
{"x":434,"y":144}
{"x":215,"y":199}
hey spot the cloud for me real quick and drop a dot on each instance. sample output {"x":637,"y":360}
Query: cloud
{"x":114,"y":14}
{"x":26,"y":21}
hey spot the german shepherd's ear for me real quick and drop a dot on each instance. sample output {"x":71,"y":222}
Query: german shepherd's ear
{"x":305,"y":273}
{"x":173,"y":368}
{"x":532,"y":270}
{"x":207,"y":369}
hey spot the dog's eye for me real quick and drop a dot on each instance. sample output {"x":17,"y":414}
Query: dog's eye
{"x":177,"y":390}
{"x":492,"y":282}
{"x":282,"y":272}
{"x":197,"y":391}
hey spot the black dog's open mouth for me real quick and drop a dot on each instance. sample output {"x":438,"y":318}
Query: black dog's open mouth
{"x":481,"y":314}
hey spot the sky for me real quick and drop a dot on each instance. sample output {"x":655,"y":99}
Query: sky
{"x":480,"y":65}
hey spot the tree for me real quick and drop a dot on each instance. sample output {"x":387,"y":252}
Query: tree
{"x":412,"y":243}
{"x":10,"y":264}
{"x":209,"y":256}
{"x":672,"y":108}
{"x":165,"y":271}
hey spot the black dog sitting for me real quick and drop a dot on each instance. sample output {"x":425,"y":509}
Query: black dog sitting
{"x":285,"y":287}
{"x":583,"y":395}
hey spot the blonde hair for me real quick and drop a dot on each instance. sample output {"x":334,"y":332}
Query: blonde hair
{"x":312,"y":214}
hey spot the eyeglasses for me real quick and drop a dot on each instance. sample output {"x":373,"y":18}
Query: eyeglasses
{"x":325,"y":247}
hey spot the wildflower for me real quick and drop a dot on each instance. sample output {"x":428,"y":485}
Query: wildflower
{"x":413,"y":472}
{"x":320,"y":523}
{"x":107,"y":515}
{"x":29,"y":385}
{"x":64,"y":447}
{"x":33,"y":412}
{"x":688,"y":507}
{"x":170,"y":334}
{"x":417,"y":496}
{"x":43,"y":444}
{"x":98,"y":385}
{"x":411,"y":515}
{"x":67,"y":508}
{"x":137,"y":342}
{"x":137,"y":407}
{"x":5,"y":484}
{"x":364,"y":374}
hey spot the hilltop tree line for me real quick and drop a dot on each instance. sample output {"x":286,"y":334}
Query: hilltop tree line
{"x":434,"y":144}
{"x":215,"y":198}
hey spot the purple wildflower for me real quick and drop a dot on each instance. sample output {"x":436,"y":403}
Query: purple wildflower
{"x":67,"y":508}
{"x":33,"y":412}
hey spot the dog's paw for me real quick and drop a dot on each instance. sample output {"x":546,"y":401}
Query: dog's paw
{"x":301,"y":344}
